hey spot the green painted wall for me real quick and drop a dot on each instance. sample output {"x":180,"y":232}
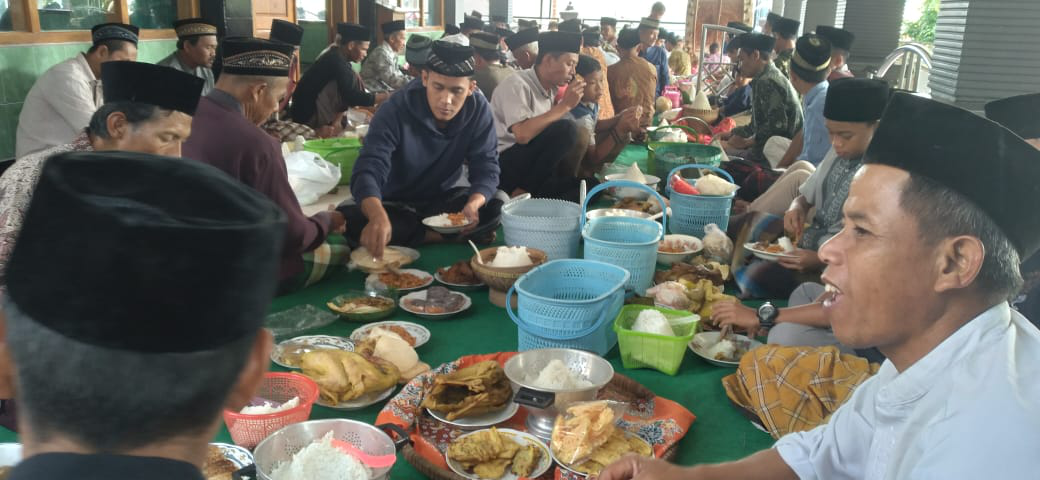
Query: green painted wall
{"x":21,"y":64}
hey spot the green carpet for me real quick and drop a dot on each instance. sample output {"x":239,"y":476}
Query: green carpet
{"x":719,"y":434}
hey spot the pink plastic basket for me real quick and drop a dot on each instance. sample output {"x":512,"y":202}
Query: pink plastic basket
{"x":249,"y":430}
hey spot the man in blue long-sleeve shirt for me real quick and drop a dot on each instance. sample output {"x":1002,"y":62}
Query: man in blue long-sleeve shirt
{"x":657,"y":56}
{"x":415,"y":157}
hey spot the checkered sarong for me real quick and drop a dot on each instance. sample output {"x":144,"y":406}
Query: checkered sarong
{"x":330,"y":257}
{"x":794,"y":389}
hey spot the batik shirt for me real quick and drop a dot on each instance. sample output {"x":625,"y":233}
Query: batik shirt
{"x":380,"y":71}
{"x":783,"y":62}
{"x":631,"y":83}
{"x":776,"y":109}
{"x":16,"y":190}
{"x":826,"y":189}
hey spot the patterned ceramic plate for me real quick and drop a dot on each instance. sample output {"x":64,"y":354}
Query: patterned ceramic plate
{"x":420,"y":333}
{"x":570,"y":472}
{"x":404,"y":304}
{"x":486,"y":420}
{"x":372,"y":281}
{"x":522,"y":438}
{"x":283,"y":352}
{"x":360,"y":402}
{"x":702,"y":343}
{"x":764,"y":255}
{"x":235,"y":454}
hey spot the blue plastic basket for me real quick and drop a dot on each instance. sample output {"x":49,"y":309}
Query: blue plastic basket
{"x":599,"y":338}
{"x":628,"y":242}
{"x":552,"y":226}
{"x":690,"y":213}
{"x":559,"y":298}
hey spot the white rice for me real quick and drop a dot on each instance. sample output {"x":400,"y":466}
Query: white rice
{"x":556,"y":376}
{"x":321,"y":461}
{"x":269,"y":407}
{"x":652,"y":321}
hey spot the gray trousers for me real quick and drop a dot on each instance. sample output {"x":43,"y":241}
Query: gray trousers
{"x":797,"y":335}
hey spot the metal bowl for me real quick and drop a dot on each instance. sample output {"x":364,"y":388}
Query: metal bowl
{"x":637,"y":193}
{"x":283,"y":444}
{"x":615,"y":212}
{"x":543,"y":405}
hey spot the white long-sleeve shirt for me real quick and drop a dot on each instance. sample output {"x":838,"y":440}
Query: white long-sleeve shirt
{"x":969,"y":409}
{"x":58,"y":107}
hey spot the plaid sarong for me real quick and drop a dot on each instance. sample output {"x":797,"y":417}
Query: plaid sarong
{"x":330,"y":257}
{"x":794,"y":389}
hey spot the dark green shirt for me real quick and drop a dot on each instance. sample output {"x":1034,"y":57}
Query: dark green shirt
{"x":783,"y":62}
{"x":776,"y":109}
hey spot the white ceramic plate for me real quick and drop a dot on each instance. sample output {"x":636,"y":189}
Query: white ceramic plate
{"x":570,"y":469}
{"x":429,"y":222}
{"x":420,"y":333}
{"x":238,"y":456}
{"x":703,"y":341}
{"x":315,"y":342}
{"x":466,"y":303}
{"x":764,"y":255}
{"x":486,"y":420}
{"x":517,"y":436}
{"x":458,"y":286}
{"x":360,"y":402}
{"x":373,"y":280}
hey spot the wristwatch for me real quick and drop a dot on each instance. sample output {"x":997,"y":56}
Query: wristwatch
{"x":767,"y":314}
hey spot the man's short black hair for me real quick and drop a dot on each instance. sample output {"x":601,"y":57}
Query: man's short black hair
{"x":943,"y":213}
{"x":488,"y":54}
{"x":113,"y":45}
{"x":193,"y":40}
{"x":658,"y":7}
{"x":713,"y":48}
{"x":116,"y":400}
{"x":135,"y":113}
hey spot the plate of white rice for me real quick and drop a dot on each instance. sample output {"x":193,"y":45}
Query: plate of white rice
{"x":722,"y":353}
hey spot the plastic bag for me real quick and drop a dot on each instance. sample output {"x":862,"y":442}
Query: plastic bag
{"x":583,"y":428}
{"x":310,"y":176}
{"x":717,"y":246}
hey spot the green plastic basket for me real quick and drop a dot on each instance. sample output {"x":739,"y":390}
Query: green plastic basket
{"x":666,"y":156}
{"x":647,"y":350}
{"x":338,"y":151}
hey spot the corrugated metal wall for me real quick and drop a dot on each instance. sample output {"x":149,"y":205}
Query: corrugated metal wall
{"x":819,"y":12}
{"x":795,"y":10}
{"x":985,"y":50}
{"x":876,"y":24}
{"x":839,"y":14}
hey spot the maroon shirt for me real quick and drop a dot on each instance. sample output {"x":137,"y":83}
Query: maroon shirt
{"x":222,"y":136}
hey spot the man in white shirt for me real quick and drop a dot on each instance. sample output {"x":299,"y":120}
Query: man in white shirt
{"x":923,"y":270}
{"x":61,"y":102}
{"x":537,"y":144}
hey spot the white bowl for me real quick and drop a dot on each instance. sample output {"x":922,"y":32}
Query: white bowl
{"x":430,"y":222}
{"x":673,"y":258}
{"x":636,"y":193}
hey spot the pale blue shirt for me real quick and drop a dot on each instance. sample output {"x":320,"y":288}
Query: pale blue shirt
{"x":816,"y":139}
{"x":970,"y":408}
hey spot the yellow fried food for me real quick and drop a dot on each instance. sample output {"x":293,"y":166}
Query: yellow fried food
{"x":618,"y":445}
{"x":493,"y":469}
{"x":343,"y":376}
{"x":474,"y":390}
{"x":489,"y":453}
{"x":526,"y":460}
{"x":582,"y":430}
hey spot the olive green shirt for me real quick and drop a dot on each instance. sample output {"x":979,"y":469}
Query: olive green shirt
{"x":489,"y":77}
{"x":783,"y":62}
{"x":776,"y":109}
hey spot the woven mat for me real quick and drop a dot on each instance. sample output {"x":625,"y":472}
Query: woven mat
{"x":657,"y":420}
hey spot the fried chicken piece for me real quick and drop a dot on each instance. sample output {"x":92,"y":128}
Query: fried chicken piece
{"x":526,"y":460}
{"x":470,"y":391}
{"x":217,"y":467}
{"x":493,"y":469}
{"x":343,"y":376}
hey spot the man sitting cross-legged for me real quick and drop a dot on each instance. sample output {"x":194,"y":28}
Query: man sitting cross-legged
{"x":414,"y":160}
